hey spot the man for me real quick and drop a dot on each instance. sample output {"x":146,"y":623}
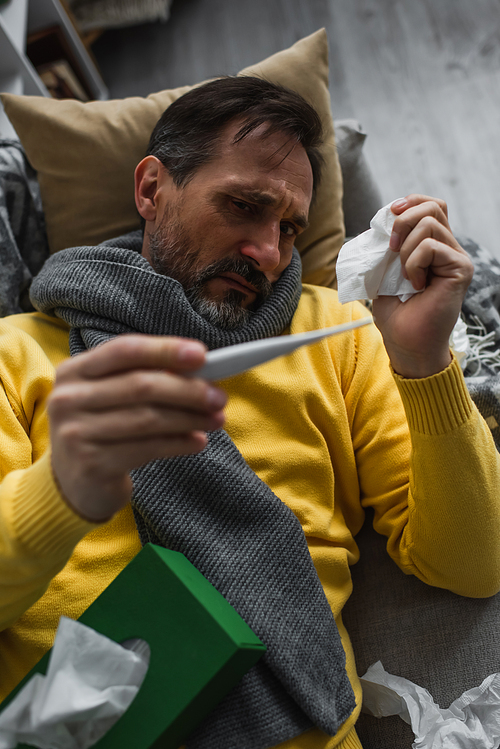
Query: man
{"x":223,"y":192}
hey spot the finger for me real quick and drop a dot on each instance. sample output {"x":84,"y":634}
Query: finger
{"x":411,"y":217}
{"x":443,"y":260}
{"x":170,"y":447}
{"x":135,"y":425}
{"x":417,"y":199}
{"x":112,"y":463}
{"x":136,"y":388}
{"x":126,"y":352}
{"x":428,"y":228}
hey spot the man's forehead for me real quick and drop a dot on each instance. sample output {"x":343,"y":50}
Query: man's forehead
{"x":260,"y":153}
{"x":263,"y":139}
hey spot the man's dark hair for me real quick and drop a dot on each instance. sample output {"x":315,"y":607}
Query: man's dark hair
{"x":187,"y":134}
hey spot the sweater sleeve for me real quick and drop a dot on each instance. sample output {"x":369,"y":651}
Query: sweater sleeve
{"x":452,"y":536}
{"x":38,"y":531}
{"x":428,"y":466}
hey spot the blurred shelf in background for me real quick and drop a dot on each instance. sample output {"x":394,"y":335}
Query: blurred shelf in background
{"x":53,"y":38}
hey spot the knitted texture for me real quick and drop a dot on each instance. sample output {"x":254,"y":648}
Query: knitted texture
{"x":213,"y":508}
{"x":23,"y":241}
{"x":481,"y":313}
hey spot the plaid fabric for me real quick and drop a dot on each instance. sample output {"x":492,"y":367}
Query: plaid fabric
{"x":481,"y":312}
{"x":23,"y":241}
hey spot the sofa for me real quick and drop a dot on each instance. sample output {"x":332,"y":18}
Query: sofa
{"x":439,"y":640}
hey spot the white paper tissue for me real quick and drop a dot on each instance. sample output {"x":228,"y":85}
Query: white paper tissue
{"x":90,"y":682}
{"x":471,"y":722}
{"x":367,"y":268}
{"x":459,"y":342}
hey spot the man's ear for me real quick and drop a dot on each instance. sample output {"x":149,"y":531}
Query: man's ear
{"x":148,"y":179}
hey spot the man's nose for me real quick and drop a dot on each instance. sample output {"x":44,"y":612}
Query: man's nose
{"x":262,"y":247}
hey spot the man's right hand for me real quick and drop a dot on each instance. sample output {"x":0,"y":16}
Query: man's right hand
{"x":121,"y":405}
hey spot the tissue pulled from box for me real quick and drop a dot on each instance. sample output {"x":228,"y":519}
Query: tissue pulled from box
{"x":368,"y":268}
{"x":90,"y":682}
{"x":471,"y":722}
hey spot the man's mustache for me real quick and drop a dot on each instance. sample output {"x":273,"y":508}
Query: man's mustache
{"x":236,"y":265}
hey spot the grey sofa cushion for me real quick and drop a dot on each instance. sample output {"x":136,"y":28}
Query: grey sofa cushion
{"x":439,"y":640}
{"x":362,"y":197}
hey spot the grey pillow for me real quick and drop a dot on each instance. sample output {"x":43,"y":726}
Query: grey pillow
{"x":362,"y":198}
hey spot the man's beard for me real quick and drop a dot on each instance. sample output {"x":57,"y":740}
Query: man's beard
{"x":173,"y":254}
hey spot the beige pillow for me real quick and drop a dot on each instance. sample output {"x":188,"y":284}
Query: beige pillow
{"x":85,"y":156}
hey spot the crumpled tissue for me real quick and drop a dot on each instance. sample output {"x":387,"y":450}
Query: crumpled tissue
{"x":90,"y":682}
{"x":459,"y":342}
{"x":368,"y":268}
{"x":471,"y":722}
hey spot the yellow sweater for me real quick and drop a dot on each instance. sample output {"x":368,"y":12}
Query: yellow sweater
{"x":324,"y":427}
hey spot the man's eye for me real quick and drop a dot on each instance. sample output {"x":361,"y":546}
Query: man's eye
{"x":288,"y":229}
{"x":242,"y":206}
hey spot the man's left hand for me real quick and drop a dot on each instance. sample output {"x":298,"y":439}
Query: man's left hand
{"x":416,"y":333}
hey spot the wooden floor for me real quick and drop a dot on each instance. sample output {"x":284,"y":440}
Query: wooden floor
{"x":422,"y":76}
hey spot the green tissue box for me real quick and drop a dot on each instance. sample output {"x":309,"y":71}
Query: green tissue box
{"x":200,"y":647}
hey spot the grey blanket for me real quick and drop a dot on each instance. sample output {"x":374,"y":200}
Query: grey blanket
{"x":481,"y":312}
{"x":23,"y":241}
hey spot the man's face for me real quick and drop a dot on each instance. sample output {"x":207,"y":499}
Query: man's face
{"x":228,"y":234}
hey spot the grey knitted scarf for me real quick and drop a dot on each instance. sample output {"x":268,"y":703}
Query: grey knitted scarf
{"x":213,"y":508}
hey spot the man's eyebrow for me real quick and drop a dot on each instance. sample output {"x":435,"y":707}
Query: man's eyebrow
{"x":264,"y":198}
